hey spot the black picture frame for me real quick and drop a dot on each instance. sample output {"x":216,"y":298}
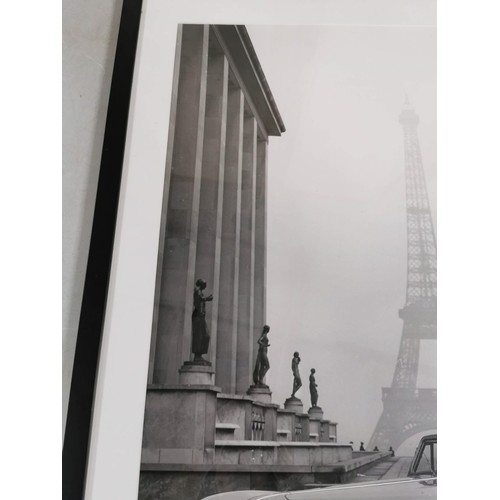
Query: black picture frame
{"x":81,"y":398}
{"x":99,"y":275}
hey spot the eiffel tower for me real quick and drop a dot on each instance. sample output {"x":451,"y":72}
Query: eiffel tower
{"x":407,"y":409}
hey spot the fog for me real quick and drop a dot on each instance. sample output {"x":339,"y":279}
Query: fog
{"x":336,"y":253}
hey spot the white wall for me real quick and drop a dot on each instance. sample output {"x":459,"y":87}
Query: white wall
{"x":90,"y":31}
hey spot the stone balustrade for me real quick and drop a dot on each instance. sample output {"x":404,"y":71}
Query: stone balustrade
{"x":280,"y":453}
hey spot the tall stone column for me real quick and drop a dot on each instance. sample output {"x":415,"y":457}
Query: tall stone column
{"x":166,"y":190}
{"x":208,"y":254}
{"x":260,"y":240}
{"x":225,"y":374}
{"x":245,"y":343}
{"x":173,"y":336}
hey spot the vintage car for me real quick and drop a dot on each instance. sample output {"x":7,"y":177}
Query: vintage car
{"x":421,"y":483}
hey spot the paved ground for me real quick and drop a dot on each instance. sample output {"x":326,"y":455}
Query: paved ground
{"x":389,"y":468}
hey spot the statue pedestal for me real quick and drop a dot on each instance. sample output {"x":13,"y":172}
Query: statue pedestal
{"x":316,"y":412}
{"x":260,"y":393}
{"x":179,"y":424}
{"x":294,"y":404}
{"x":196,"y":373}
{"x":316,"y":430}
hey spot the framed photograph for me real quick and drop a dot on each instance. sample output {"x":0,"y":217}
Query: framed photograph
{"x":260,"y":303}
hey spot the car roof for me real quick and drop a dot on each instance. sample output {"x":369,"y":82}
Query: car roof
{"x":322,"y":492}
{"x":430,"y":436}
{"x":355,"y":491}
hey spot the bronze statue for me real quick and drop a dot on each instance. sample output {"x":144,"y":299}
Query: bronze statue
{"x":262,"y":361}
{"x":201,"y":336}
{"x":313,"y":388}
{"x":297,"y":382}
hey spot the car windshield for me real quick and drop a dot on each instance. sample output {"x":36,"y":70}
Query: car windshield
{"x":428,"y":460}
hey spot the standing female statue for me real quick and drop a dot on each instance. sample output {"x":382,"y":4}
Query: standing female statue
{"x":297,"y":382}
{"x":262,"y":361}
{"x":313,"y":388}
{"x":201,"y":337}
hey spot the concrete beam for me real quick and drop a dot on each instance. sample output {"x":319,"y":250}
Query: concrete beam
{"x":247,"y":68}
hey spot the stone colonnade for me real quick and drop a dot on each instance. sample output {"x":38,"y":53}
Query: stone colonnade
{"x":214,"y":227}
{"x":214,"y":209}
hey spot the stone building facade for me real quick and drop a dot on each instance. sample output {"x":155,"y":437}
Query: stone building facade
{"x":204,"y":430}
{"x":214,"y":214}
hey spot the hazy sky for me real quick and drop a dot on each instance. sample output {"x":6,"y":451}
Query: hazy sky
{"x":336,"y":208}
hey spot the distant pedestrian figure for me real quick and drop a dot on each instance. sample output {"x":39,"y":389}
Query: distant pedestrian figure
{"x":391,"y":450}
{"x":262,"y":361}
{"x":201,"y":337}
{"x":362,"y":446}
{"x":313,"y":388}
{"x":376,"y":448}
{"x":297,"y":382}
